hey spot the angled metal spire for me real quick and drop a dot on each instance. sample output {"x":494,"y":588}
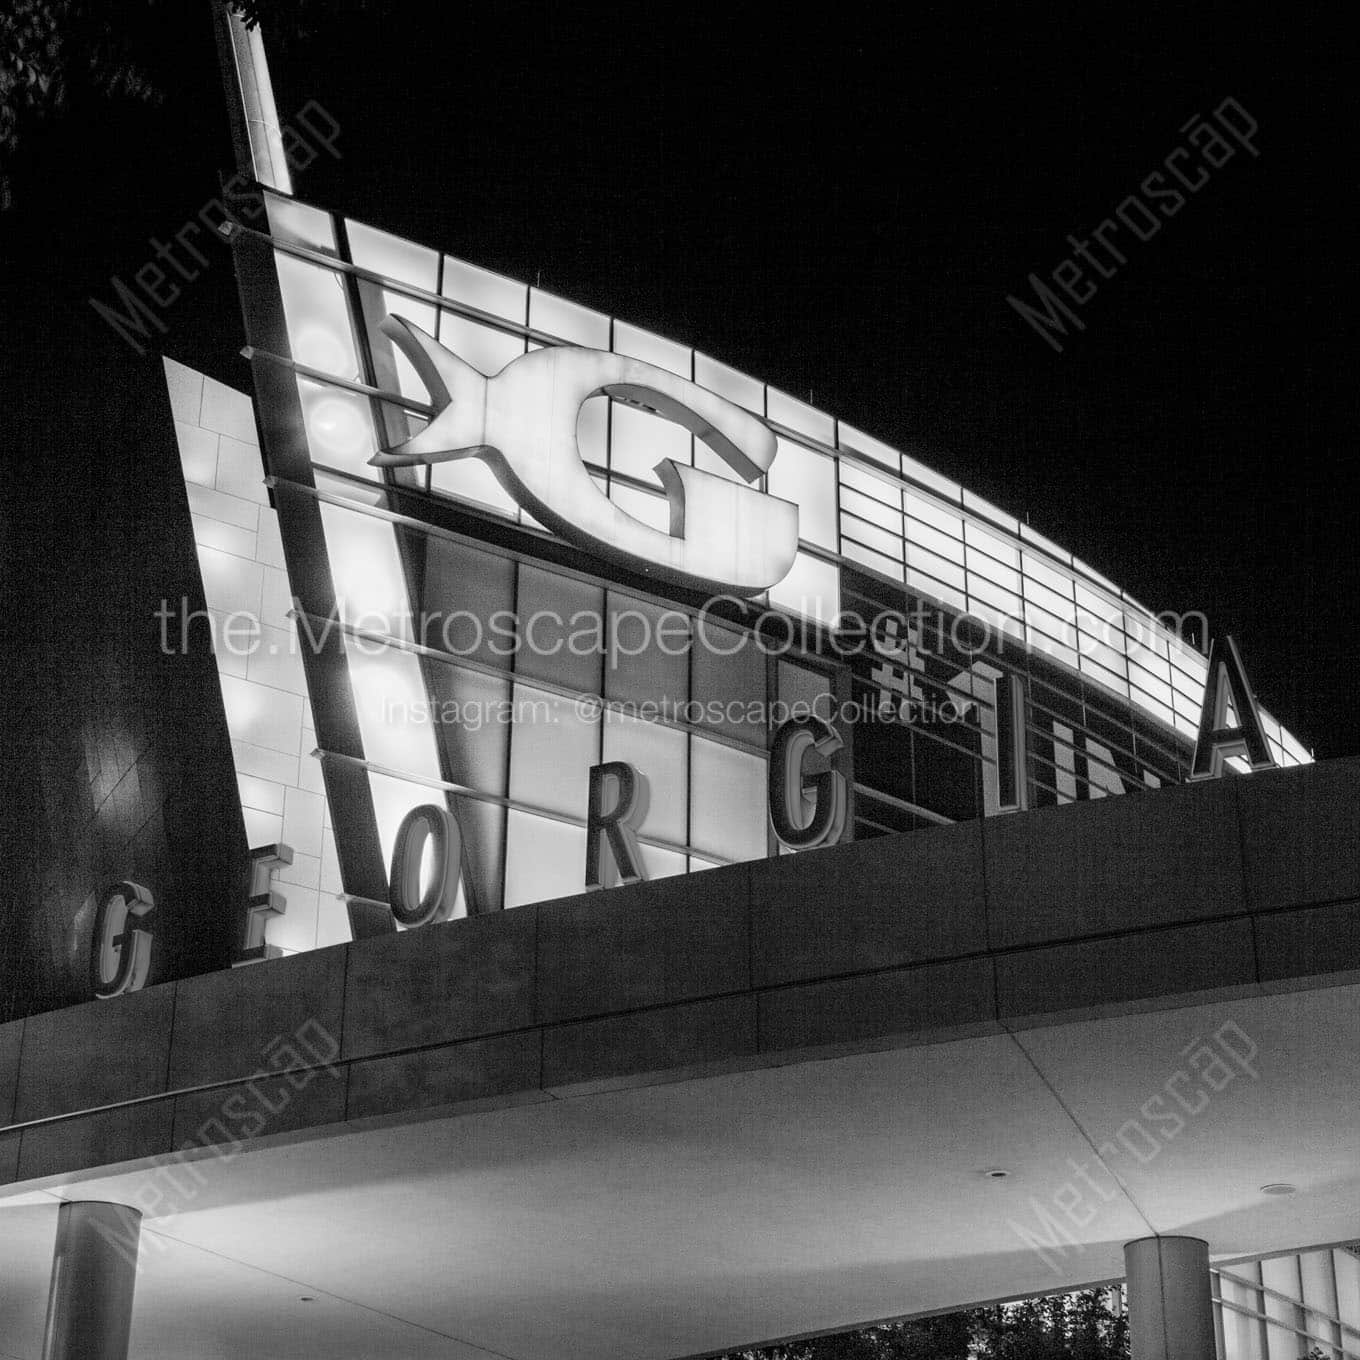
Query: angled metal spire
{"x":255,"y":130}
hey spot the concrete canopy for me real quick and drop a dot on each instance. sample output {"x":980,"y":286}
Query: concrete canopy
{"x":691,"y":1115}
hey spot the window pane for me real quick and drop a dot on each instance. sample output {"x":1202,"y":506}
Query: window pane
{"x":393,"y":710}
{"x":927,"y":512}
{"x":856,"y":552}
{"x":485,"y":291}
{"x":850,"y":438}
{"x":727,"y":382}
{"x":299,"y":223}
{"x":989,"y":511}
{"x":994,"y":547}
{"x":653,"y":511}
{"x":567,"y":321}
{"x":928,"y":477}
{"x":887,"y":514}
{"x":658,"y":754}
{"x":544,"y":859}
{"x":812,"y":589}
{"x":391,"y":368}
{"x":370,"y":589}
{"x":392,"y":257}
{"x":659,"y":863}
{"x":652,"y":349}
{"x":648,"y":659}
{"x":806,"y":686}
{"x":798,"y":415}
{"x":470,"y":715}
{"x":464,"y":600}
{"x":868,"y":535}
{"x":484,"y":347}
{"x":639,"y":441}
{"x":471,"y":480}
{"x":729,"y":681}
{"x":1036,"y":569}
{"x":551,"y":752}
{"x":807,"y":479}
{"x":940,"y":544}
{"x":320,"y":334}
{"x":561,"y":630}
{"x":339,"y":428}
{"x":727,"y":805}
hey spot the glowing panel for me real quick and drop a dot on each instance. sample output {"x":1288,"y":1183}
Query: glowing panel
{"x":567,"y":321}
{"x":339,"y":426}
{"x":392,"y":368}
{"x":639,"y":441}
{"x":299,"y":223}
{"x":319,"y":331}
{"x":649,"y":747}
{"x":392,"y":708}
{"x":485,"y":291}
{"x":484,"y":347}
{"x":551,"y":752}
{"x":869,"y":447}
{"x":858,"y":532}
{"x":392,"y":257}
{"x":799,"y":416}
{"x":729,"y":384}
{"x":811,"y":588}
{"x":727,"y":801}
{"x":927,"y":512}
{"x":652,"y":349}
{"x":544,"y":859}
{"x":807,"y":479}
{"x":370,"y":589}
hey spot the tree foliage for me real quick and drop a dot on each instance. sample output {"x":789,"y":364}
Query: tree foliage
{"x":53,"y":52}
{"x":50,"y":47}
{"x":1082,"y":1326}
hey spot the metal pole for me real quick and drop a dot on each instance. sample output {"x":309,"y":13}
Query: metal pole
{"x":94,"y":1271}
{"x":255,"y":130}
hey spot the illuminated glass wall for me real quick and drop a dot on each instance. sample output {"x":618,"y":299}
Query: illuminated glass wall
{"x":997,"y":674}
{"x":1287,"y":1307}
{"x":859,"y":500}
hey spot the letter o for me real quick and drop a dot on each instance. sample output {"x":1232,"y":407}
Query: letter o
{"x":412,"y":908}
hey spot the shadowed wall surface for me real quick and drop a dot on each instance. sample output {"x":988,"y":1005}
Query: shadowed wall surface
{"x":118,"y":764}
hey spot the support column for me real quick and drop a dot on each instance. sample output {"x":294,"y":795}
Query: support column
{"x":1171,"y":1310}
{"x":94,"y":1269}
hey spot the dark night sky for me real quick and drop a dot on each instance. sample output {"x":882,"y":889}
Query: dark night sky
{"x":841,"y":207}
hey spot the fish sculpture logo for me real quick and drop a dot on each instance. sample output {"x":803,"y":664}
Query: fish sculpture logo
{"x":724,"y":535}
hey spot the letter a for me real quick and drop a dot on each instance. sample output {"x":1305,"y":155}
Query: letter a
{"x":1217,"y":742}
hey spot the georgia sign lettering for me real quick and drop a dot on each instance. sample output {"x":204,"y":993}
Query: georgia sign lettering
{"x":723,"y":536}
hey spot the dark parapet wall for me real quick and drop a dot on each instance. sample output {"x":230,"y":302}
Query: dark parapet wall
{"x":1228,"y":891}
{"x":117,"y":760}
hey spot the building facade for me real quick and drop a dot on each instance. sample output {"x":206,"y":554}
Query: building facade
{"x":460,"y":653}
{"x":509,"y":602}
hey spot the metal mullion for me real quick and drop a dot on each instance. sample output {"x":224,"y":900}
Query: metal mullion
{"x":1300,"y":1302}
{"x":905,"y":804}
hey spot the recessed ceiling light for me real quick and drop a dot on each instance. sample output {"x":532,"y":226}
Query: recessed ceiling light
{"x":1279,"y":1188}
